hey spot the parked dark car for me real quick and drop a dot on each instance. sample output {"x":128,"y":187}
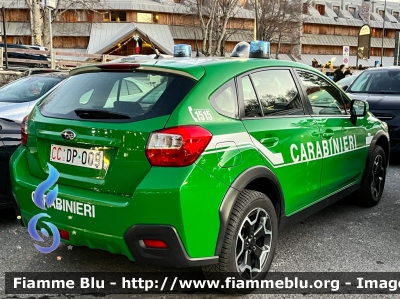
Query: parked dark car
{"x":10,"y":139}
{"x":17,"y":55}
{"x":380,"y":87}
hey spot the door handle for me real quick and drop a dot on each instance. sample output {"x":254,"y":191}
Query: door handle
{"x":270,"y":141}
{"x":327,"y":134}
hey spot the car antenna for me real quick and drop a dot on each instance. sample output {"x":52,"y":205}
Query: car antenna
{"x":197,"y":46}
{"x":154,"y":48}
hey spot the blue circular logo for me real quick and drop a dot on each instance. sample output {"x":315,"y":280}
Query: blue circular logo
{"x":41,"y":200}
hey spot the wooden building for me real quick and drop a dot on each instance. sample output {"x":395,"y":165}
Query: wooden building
{"x":128,"y":27}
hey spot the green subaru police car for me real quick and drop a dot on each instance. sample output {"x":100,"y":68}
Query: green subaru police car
{"x":197,"y":162}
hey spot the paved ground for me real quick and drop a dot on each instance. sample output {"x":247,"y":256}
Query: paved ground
{"x":342,"y":237}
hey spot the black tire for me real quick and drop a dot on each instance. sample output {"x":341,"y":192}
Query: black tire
{"x":373,"y":181}
{"x":257,"y":206}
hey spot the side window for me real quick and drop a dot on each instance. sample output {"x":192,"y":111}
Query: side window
{"x":324,"y":97}
{"x":224,"y":100}
{"x":277,"y":93}
{"x":252,"y":106}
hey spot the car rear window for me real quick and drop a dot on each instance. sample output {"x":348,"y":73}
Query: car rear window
{"x":117,"y":96}
{"x":28,"y":89}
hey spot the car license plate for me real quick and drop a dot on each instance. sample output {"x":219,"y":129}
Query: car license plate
{"x":76,"y":156}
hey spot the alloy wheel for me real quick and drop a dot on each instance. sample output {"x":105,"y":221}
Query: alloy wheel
{"x":253,"y":243}
{"x":378,"y":174}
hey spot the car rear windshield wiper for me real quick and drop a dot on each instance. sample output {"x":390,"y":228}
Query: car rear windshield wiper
{"x":104,"y":114}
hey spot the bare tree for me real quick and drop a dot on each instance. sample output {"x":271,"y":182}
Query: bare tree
{"x":214,"y":17}
{"x":227,"y":10}
{"x":279,"y":21}
{"x":206,"y":13}
{"x":36,"y":24}
{"x":64,"y":6}
{"x":290,"y":24}
{"x":39,"y":15}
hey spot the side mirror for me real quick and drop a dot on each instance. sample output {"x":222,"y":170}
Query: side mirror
{"x":358,"y":108}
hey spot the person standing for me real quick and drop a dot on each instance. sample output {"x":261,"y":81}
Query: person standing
{"x":348,"y":73}
{"x":328,"y":65}
{"x":315,"y":63}
{"x":339,"y":73}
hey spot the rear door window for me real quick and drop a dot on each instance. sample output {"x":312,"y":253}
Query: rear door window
{"x":117,"y":95}
{"x":271,"y":92}
{"x":277,"y":93}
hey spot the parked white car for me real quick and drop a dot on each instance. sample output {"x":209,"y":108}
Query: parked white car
{"x":19,"y":97}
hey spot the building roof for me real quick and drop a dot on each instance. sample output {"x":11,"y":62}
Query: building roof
{"x":17,"y":28}
{"x":185,"y":32}
{"x":188,"y":32}
{"x":339,"y":40}
{"x":105,"y":35}
{"x":101,"y":34}
{"x":72,"y":29}
{"x":59,"y":29}
{"x":344,"y":17}
{"x":159,"y":34}
{"x":349,"y":22}
{"x":167,"y":6}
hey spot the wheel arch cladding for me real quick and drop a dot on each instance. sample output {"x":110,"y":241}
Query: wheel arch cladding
{"x":382,"y":140}
{"x":258,"y":178}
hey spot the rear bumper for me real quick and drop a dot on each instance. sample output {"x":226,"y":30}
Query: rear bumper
{"x":132,"y":246}
{"x":174,"y":256}
{"x":181,"y":211}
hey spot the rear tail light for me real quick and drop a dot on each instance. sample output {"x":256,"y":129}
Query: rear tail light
{"x":155,"y":244}
{"x":177,"y":146}
{"x":24,"y":130}
{"x":64,"y":234}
